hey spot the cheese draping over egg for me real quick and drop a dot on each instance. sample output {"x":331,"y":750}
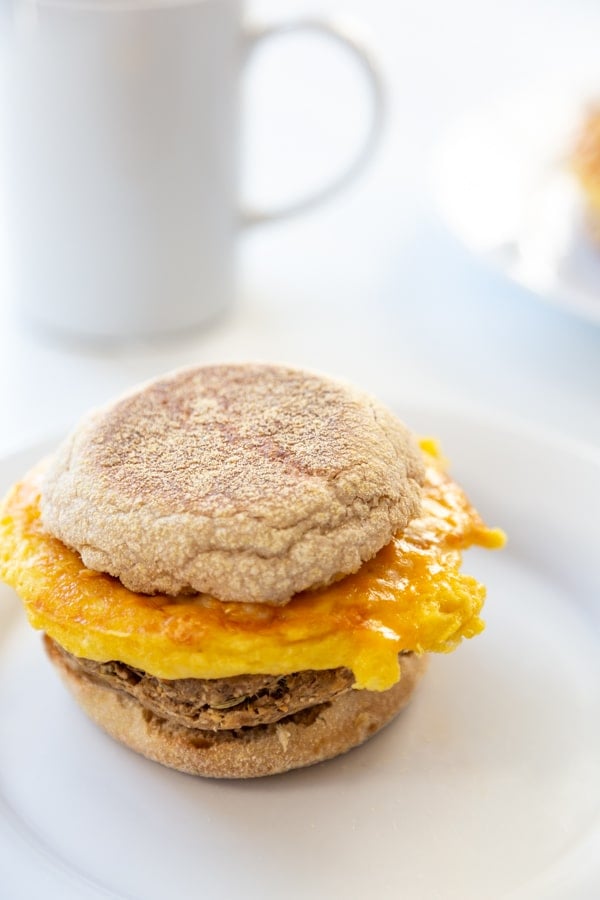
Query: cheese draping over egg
{"x":410,"y":597}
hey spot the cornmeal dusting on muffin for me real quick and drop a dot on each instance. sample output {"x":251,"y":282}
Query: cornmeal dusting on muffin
{"x":254,"y":482}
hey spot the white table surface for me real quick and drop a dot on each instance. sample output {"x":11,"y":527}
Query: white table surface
{"x":370,"y":287}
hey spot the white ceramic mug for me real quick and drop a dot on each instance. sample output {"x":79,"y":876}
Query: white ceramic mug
{"x":120,"y":147}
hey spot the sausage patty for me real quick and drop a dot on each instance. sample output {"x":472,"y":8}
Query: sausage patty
{"x":214,"y":704}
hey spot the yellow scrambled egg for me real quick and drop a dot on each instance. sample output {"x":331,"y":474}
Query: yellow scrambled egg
{"x":410,"y":596}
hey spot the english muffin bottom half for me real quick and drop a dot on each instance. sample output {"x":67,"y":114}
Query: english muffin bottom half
{"x":240,"y":569}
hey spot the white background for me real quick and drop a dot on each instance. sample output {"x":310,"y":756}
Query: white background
{"x":371,"y":286}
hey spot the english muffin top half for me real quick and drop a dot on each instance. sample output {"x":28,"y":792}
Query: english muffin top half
{"x":247,"y":482}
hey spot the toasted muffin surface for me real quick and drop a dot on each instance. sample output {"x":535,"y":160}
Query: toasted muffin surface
{"x":247,"y":482}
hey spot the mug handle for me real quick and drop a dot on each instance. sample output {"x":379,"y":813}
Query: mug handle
{"x":348,"y":37}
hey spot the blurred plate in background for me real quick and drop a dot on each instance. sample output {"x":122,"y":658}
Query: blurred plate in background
{"x":502,"y":184}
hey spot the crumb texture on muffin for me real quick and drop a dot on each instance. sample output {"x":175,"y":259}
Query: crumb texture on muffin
{"x":247,"y":482}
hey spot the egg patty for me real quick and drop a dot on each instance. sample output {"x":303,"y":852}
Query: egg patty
{"x":411,"y":597}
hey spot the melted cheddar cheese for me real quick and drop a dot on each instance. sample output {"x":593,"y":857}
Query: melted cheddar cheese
{"x":410,"y":597}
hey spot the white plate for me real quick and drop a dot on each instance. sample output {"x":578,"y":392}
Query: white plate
{"x":486,"y":786}
{"x":503,"y":186}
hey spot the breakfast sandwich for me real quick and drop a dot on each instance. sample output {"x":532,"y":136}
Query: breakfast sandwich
{"x":240,"y":569}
